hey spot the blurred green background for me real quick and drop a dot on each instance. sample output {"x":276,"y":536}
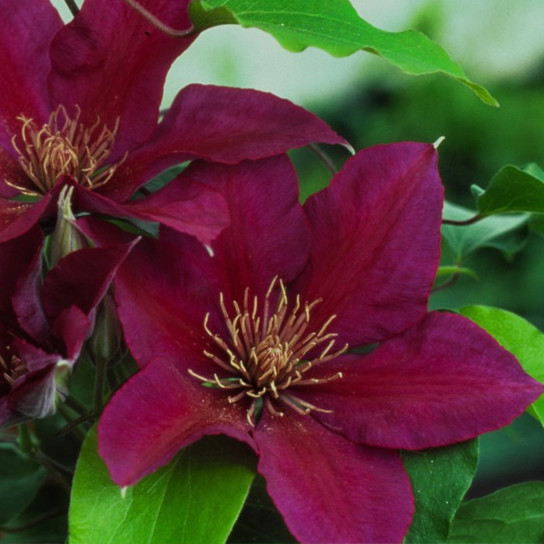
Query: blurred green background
{"x":500,"y":44}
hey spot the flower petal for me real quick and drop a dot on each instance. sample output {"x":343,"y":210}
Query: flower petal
{"x":163,"y":313}
{"x":27,"y":28}
{"x":155,"y":414}
{"x":17,"y":218}
{"x":443,"y":381}
{"x":225,"y":125}
{"x":268,"y":235}
{"x":183,"y":205}
{"x":114,"y":66}
{"x":329,"y":489}
{"x":81,"y":279}
{"x":376,"y":242}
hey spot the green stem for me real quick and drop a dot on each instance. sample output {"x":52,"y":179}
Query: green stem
{"x":72,"y":424}
{"x":26,"y":443}
{"x":469,"y":221}
{"x":36,"y":521}
{"x":100,"y":379}
{"x":72,"y":6}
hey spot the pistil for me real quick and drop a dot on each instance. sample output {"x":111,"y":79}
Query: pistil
{"x":268,"y":352}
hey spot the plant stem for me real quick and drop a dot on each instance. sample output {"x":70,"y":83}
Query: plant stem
{"x":26,"y":444}
{"x":168,"y":30}
{"x":325,"y":159}
{"x":72,"y":6}
{"x":469,"y":221}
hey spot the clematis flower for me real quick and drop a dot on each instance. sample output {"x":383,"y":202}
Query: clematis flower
{"x":263,"y":342}
{"x":43,"y":327}
{"x":80,"y":103}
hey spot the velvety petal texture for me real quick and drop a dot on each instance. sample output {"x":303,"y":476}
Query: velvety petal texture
{"x":329,"y":489}
{"x":157,"y":413}
{"x":376,"y":233}
{"x":443,"y":381}
{"x":27,"y":28}
{"x":112,"y":63}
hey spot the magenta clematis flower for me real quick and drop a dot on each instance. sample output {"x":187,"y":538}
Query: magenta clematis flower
{"x":80,"y":104}
{"x":261,"y":342}
{"x":43,"y":327}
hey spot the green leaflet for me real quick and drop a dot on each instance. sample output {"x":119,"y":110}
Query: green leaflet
{"x":512,"y":514}
{"x":440,"y":478}
{"x":196,"y":498}
{"x":336,"y":27}
{"x":518,"y":336}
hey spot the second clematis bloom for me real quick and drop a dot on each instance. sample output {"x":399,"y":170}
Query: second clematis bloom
{"x":43,"y":326}
{"x":262,"y":341}
{"x":80,"y":106}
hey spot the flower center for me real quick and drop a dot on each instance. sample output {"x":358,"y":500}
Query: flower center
{"x":63,"y":146}
{"x":269,"y":351}
{"x":10,"y":370}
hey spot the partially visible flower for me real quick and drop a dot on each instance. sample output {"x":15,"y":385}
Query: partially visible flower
{"x":260,"y":342}
{"x":80,"y":104}
{"x":43,"y":326}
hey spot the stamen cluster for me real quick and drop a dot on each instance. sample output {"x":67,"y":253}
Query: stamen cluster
{"x":63,"y":146}
{"x":269,"y":351}
{"x":10,"y":370}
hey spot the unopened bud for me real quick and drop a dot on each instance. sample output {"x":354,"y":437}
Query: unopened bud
{"x":66,"y":237}
{"x":106,"y":344}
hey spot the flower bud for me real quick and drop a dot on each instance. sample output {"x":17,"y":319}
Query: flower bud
{"x":106,"y":344}
{"x":66,"y":236}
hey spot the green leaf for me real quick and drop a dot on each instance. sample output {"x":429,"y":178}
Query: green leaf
{"x":196,"y":498}
{"x":518,"y":336}
{"x":514,"y":189}
{"x":440,"y":478}
{"x":501,"y":232}
{"x":334,"y":26}
{"x":20,"y":479}
{"x":512,"y":514}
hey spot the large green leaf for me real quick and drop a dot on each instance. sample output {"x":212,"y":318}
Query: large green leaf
{"x":440,"y":478}
{"x":196,"y":498}
{"x":512,"y":514}
{"x":518,"y":336}
{"x":514,"y":189}
{"x":20,"y":479}
{"x":335,"y":26}
{"x":502,"y":232}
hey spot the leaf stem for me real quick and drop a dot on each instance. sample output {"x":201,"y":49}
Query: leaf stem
{"x":325,"y":159}
{"x":165,"y":29}
{"x":26,"y":444}
{"x":72,"y":6}
{"x":468,"y":221}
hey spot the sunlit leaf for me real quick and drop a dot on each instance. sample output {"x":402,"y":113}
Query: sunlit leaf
{"x":440,"y":478}
{"x":518,"y":336}
{"x":512,"y":514}
{"x":334,"y":26}
{"x":196,"y":498}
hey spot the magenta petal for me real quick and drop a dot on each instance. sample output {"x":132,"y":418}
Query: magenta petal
{"x":185,"y":206}
{"x":27,"y":28}
{"x":81,"y":279}
{"x":329,"y":489}
{"x":268,"y":235}
{"x":164,"y":313}
{"x":111,"y":62}
{"x":72,"y":326}
{"x":155,"y":414}
{"x":225,"y":125}
{"x":18,"y":217}
{"x":21,"y":257}
{"x":376,"y":242}
{"x":443,"y":381}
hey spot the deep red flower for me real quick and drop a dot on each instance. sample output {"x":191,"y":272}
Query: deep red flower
{"x":43,"y":326}
{"x":261,"y":342}
{"x":80,"y":104}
